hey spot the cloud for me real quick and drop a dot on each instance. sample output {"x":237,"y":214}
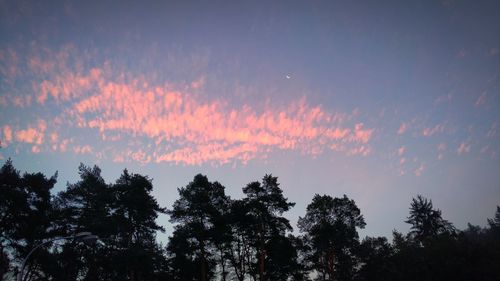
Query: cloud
{"x":32,"y":135}
{"x":212,"y":130}
{"x":481,"y":99}
{"x":7,"y":134}
{"x":430,"y":131}
{"x":443,"y":99}
{"x":463,"y":148}
{"x":84,"y":149}
{"x":401,"y":150}
{"x":184,"y":126}
{"x":492,"y":132}
{"x":402,"y":128}
{"x":418,"y":172}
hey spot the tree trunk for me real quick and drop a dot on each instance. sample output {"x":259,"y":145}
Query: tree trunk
{"x":262,"y":255}
{"x":331,"y":260}
{"x":203,"y":262}
{"x":223,"y":264}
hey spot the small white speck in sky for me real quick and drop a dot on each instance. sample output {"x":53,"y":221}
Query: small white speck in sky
{"x":288,"y":76}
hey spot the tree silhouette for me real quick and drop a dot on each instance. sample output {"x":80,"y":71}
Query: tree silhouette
{"x":375,"y":257}
{"x":198,"y":209}
{"x":134,"y":212}
{"x":426,"y":222}
{"x":265,"y":205}
{"x":330,"y":227}
{"x":25,"y":216}
{"x":217,"y":238}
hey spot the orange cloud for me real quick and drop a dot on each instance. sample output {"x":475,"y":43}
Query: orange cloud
{"x":185,"y":127}
{"x":85,"y":149}
{"x":7,"y":134}
{"x":205,"y":131}
{"x":34,"y":135}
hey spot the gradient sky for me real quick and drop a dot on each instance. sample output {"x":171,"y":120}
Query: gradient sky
{"x":379,"y":100}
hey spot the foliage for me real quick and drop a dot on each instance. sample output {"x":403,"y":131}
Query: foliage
{"x":219,"y":238}
{"x":330,"y":225}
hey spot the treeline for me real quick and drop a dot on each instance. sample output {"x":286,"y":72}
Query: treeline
{"x":219,"y":238}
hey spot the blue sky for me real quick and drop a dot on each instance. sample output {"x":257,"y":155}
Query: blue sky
{"x":377,"y":100}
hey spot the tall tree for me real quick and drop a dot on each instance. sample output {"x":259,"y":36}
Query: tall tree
{"x":134,"y":213}
{"x":182,"y":259}
{"x":11,"y":205}
{"x":330,"y":225}
{"x":494,"y":224}
{"x":375,"y":259}
{"x":265,"y":205}
{"x":85,"y":206}
{"x":426,"y":222}
{"x":26,"y":216}
{"x":240,"y":252}
{"x":198,"y":209}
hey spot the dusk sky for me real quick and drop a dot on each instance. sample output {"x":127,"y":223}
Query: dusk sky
{"x":378,"y":100}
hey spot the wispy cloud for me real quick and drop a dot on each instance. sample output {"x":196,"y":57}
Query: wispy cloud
{"x":32,"y":135}
{"x":401,"y":150}
{"x":184,"y":126}
{"x":402,"y":128}
{"x":463,"y":148}
{"x":481,"y":99}
{"x":430,"y":131}
{"x":205,"y":131}
{"x":418,"y":172}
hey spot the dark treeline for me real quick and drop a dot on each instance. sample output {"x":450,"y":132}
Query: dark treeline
{"x":216,"y":237}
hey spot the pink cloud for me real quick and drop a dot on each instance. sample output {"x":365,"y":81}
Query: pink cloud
{"x":402,"y":128}
{"x":418,"y":172}
{"x":63,"y":145}
{"x":441,"y":148}
{"x":492,"y":132}
{"x":463,"y":148}
{"x":430,"y":131}
{"x":84,"y":149}
{"x":34,"y":135}
{"x":184,"y":126}
{"x":401,"y":150}
{"x":21,"y":101}
{"x":205,"y":130}
{"x":67,"y":86}
{"x":35,"y":149}
{"x":7,"y":134}
{"x":481,"y":99}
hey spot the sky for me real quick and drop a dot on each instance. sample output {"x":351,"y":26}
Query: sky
{"x":378,"y":100}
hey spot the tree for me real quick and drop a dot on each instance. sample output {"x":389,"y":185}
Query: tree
{"x":282,"y":259}
{"x":494,"y":224}
{"x":265,"y":205}
{"x":239,"y":250}
{"x":181,"y":256}
{"x":134,"y":213}
{"x":426,"y":222}
{"x":26,"y":217}
{"x":199,"y":209}
{"x":330,"y":226}
{"x":85,"y":206}
{"x":375,"y":257}
{"x":11,"y":206}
